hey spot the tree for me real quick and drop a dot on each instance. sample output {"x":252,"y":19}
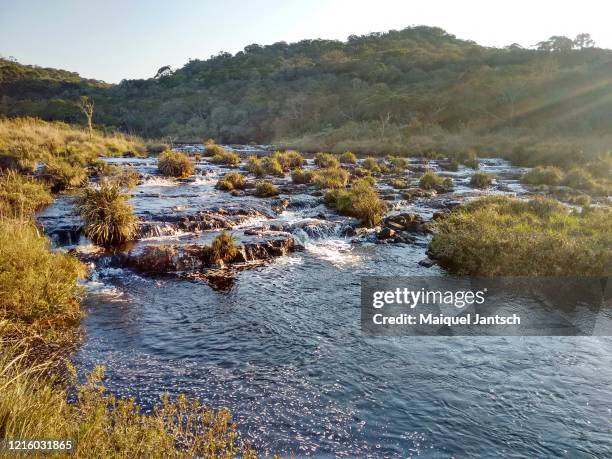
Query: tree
{"x":584,"y":40}
{"x":166,"y":70}
{"x":86,"y":105}
{"x":556,"y":43}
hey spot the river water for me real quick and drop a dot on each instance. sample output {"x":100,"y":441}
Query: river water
{"x":282,"y":346}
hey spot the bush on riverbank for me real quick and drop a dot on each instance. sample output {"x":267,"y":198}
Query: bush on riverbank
{"x":501,"y":236}
{"x":331,"y":178}
{"x":265,"y":189}
{"x":21,"y":196}
{"x":481,"y":180}
{"x":108,"y":220}
{"x":543,"y":175}
{"x":33,"y":405}
{"x":360,"y":201}
{"x":175,"y":164}
{"x":326,"y":161}
{"x":232,"y":181}
{"x":38,"y":288}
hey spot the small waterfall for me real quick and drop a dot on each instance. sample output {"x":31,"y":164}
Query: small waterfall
{"x":149,"y":230}
{"x":315,"y":229}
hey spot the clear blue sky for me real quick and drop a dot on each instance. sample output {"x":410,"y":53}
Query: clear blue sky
{"x":111,"y":40}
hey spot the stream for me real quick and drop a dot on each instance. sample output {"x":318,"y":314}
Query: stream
{"x":280,"y":344}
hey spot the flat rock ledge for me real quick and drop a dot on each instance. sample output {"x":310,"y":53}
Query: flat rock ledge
{"x":166,"y":259}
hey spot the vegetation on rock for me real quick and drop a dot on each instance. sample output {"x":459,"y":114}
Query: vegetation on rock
{"x":175,"y":164}
{"x":481,"y":180}
{"x":360,"y":201}
{"x":265,"y":189}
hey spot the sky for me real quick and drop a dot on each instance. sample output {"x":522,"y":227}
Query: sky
{"x":112,"y":40}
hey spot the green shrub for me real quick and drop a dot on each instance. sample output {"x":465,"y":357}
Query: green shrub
{"x":231,"y":181}
{"x":371,"y":164}
{"x":360,"y":201}
{"x":223,"y":248}
{"x":543,"y":175}
{"x":21,"y":196}
{"x":331,"y":178}
{"x":481,"y":180}
{"x":501,"y":236}
{"x":265,"y":188}
{"x":155,"y":148}
{"x":175,"y":164}
{"x":108,"y":220}
{"x":299,"y":176}
{"x":348,"y":157}
{"x":255,"y":166}
{"x":38,"y":287}
{"x":289,"y":159}
{"x":228,"y":158}
{"x":399,"y":184}
{"x":272,"y":166}
{"x":326,"y":161}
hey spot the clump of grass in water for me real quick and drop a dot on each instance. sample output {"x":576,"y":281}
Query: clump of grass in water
{"x":360,"y":201}
{"x":432,"y":181}
{"x":109,"y":220}
{"x":371,"y":165}
{"x":289,"y":159}
{"x":300,"y":176}
{"x":333,"y":177}
{"x":231,"y":181}
{"x":228,"y":158}
{"x":223,"y":248}
{"x":175,"y":164}
{"x":326,"y":161}
{"x":265,"y":188}
{"x":348,"y":157}
{"x":481,"y":180}
{"x":501,"y":236}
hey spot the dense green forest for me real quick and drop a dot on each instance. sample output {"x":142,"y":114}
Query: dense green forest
{"x":381,"y":88}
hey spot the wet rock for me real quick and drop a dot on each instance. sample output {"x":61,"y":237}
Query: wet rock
{"x":218,"y":219}
{"x":386,"y":233}
{"x":407,"y":222}
{"x":426,"y":263}
{"x":418,"y":193}
{"x":279,"y":205}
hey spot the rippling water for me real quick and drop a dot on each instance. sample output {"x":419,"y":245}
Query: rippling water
{"x":282,"y":348}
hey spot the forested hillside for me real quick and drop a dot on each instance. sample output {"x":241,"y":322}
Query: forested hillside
{"x":381,"y":88}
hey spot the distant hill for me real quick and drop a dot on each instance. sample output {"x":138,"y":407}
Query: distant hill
{"x":381,"y":87}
